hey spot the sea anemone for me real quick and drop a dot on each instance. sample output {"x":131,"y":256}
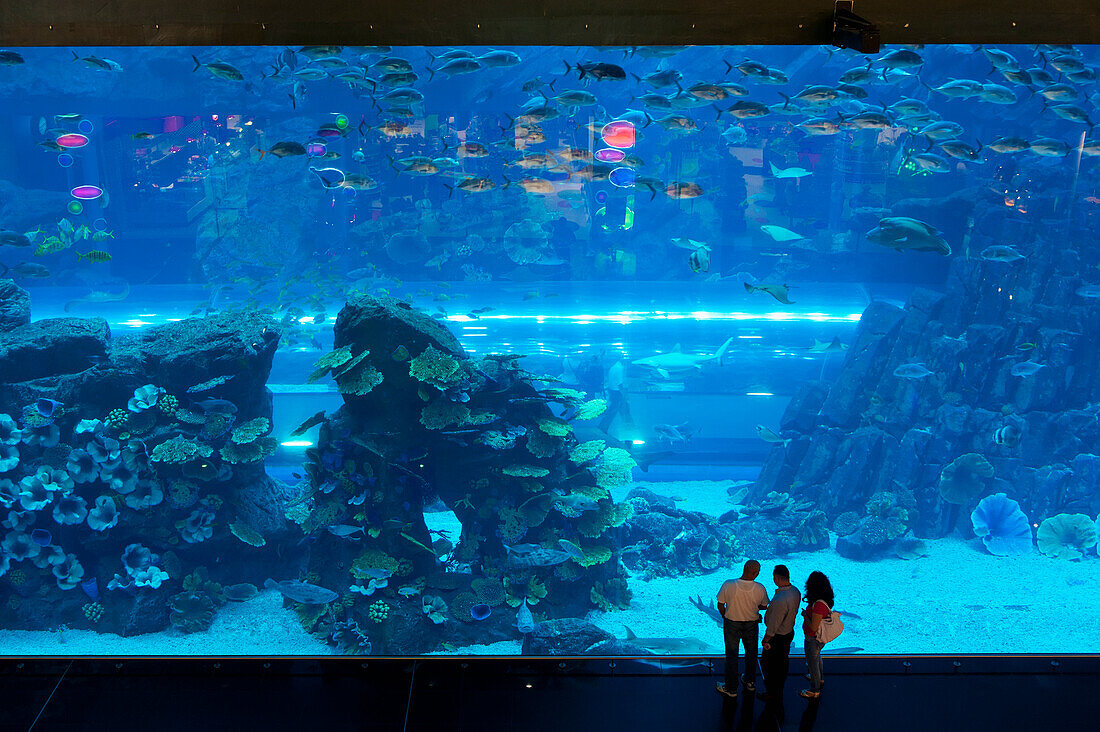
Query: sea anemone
{"x":70,"y":509}
{"x":120,"y":478}
{"x":197,"y":527}
{"x":9,"y":431}
{"x":1066,"y":536}
{"x":19,"y":520}
{"x":82,"y":466}
{"x":46,"y":435}
{"x":9,"y":457}
{"x":34,"y":494}
{"x":56,"y":476}
{"x":89,"y":427}
{"x":146,"y":494}
{"x":1002,"y":525}
{"x":20,"y":546}
{"x":151,"y":577}
{"x":68,"y":572}
{"x":191,"y":611}
{"x":9,"y":493}
{"x":137,"y":557}
{"x":104,"y":515}
{"x":50,"y":556}
{"x":144,"y":398}
{"x":135,"y":455}
{"x":105,"y":451}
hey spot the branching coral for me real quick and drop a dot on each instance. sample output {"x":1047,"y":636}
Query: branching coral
{"x":179,"y":450}
{"x":613,"y":467}
{"x":542,"y":445}
{"x":587,"y":451}
{"x":247,"y":534}
{"x":594,"y":523}
{"x":250,"y":452}
{"x":437,"y":368}
{"x":361,"y":382}
{"x":250,"y":431}
{"x":442,"y":413}
{"x":333,"y":359}
{"x":525,"y":471}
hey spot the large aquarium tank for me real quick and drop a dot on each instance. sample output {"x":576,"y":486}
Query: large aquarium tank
{"x":406,"y":351}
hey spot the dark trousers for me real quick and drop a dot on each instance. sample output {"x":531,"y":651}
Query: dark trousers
{"x":738,"y":632}
{"x":775,"y":662}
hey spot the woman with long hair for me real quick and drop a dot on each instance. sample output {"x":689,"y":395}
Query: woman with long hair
{"x":819,"y":603}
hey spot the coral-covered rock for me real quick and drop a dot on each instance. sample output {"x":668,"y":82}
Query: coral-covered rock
{"x":52,"y":347}
{"x":15,"y":306}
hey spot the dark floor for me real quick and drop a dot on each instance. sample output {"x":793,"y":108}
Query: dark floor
{"x":1001,"y":694}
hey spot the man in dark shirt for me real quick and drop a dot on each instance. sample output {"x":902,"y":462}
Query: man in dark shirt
{"x":779,"y":623}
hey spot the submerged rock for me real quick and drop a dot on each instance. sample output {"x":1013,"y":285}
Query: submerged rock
{"x":563,"y":637}
{"x":15,"y":306}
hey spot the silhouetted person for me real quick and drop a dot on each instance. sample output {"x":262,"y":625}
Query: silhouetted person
{"x":819,"y":603}
{"x":779,"y":624}
{"x":740,"y":602}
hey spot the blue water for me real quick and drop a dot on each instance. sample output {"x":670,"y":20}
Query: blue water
{"x":152,"y":187}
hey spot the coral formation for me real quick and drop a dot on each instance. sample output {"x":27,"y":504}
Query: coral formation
{"x":1002,"y":525}
{"x":1066,"y":536}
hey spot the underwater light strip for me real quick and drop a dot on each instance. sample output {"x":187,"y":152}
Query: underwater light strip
{"x":628,"y":316}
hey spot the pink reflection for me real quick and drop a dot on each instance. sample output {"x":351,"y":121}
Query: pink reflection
{"x":610,"y":155}
{"x":87,"y":193}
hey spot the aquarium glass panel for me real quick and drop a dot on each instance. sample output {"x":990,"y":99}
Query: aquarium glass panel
{"x":405,"y":351}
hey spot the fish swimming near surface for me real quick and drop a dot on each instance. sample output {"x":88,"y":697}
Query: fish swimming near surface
{"x":779,"y":292}
{"x":302,"y":592}
{"x":678,"y":362}
{"x":669,"y":645}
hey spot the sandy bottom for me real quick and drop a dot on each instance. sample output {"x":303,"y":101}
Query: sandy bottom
{"x":259,"y":627}
{"x":959,"y":599}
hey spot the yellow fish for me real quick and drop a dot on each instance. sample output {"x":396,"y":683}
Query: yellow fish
{"x":97,"y":256}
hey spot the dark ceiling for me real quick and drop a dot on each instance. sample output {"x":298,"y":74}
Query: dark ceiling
{"x":515,"y":22}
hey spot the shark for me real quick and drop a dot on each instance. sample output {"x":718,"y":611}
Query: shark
{"x":678,"y":362}
{"x":669,"y":646}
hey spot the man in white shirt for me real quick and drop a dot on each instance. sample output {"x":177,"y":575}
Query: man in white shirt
{"x":740,"y":602}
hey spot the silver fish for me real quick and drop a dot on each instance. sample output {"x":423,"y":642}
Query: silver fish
{"x":302,"y":592}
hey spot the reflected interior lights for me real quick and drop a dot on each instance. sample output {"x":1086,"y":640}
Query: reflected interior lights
{"x":759,"y":393}
{"x":296,"y":443}
{"x":630,"y":316}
